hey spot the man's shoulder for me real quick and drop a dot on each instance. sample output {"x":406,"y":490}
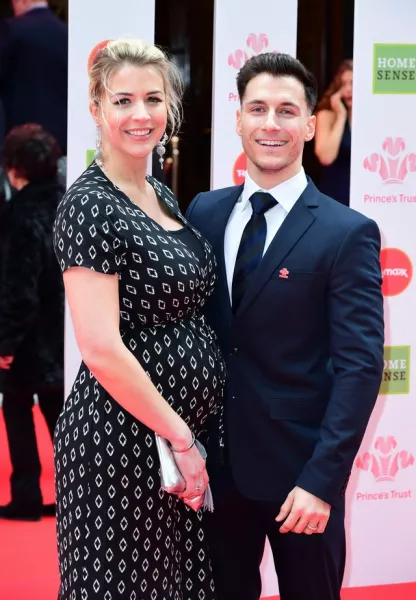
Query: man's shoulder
{"x":32,"y":21}
{"x":213,"y":196}
{"x":340,"y":215}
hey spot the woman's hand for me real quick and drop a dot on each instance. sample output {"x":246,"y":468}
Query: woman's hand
{"x":337,"y":104}
{"x":192,"y":466}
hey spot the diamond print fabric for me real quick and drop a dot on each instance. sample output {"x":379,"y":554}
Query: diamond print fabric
{"x":119,"y":535}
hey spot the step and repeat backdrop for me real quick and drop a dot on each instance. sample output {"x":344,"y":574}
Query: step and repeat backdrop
{"x":381,"y":498}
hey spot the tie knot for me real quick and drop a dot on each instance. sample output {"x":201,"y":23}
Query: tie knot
{"x":262,"y":202}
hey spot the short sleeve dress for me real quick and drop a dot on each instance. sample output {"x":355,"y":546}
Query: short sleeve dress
{"x":119,"y":535}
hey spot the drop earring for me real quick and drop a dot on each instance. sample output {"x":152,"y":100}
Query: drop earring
{"x":98,"y":156}
{"x":160,"y":148}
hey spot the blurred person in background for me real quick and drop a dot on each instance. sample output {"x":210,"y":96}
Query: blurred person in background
{"x":33,"y":69}
{"x":5,"y":191}
{"x":31,"y":311}
{"x":333,"y":135}
{"x":2,"y":122}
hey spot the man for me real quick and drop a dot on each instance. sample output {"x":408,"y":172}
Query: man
{"x":298,"y":311}
{"x":34,"y":68}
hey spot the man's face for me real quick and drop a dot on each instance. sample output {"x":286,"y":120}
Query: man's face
{"x":274,"y":122}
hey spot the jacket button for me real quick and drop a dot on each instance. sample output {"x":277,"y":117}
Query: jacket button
{"x":234,"y":351}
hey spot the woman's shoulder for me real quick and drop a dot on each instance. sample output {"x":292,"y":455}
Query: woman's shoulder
{"x":90,"y":181}
{"x":91,"y":193}
{"x":326,"y":115}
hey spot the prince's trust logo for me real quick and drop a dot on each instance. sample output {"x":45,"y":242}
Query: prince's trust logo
{"x":394,"y":166}
{"x":384,"y":462}
{"x":255,"y":44}
{"x":394,"y":163}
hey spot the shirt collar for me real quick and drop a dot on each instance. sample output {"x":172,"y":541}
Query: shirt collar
{"x":286,"y":193}
{"x":36,"y":8}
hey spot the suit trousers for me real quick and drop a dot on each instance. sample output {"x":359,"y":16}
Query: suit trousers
{"x":308,"y":567}
{"x":20,"y":427}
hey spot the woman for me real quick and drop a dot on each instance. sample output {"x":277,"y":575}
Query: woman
{"x":31,"y":311}
{"x":333,"y":135}
{"x":136,"y":277}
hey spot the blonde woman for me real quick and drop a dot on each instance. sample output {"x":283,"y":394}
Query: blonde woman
{"x":333,"y":135}
{"x":136,"y":276}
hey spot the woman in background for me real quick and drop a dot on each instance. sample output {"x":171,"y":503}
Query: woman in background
{"x":333,"y":135}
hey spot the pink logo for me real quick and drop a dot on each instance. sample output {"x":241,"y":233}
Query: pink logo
{"x":385,"y":462}
{"x":255,"y":43}
{"x":238,"y":59}
{"x":394,"y":165}
{"x":284,"y":273}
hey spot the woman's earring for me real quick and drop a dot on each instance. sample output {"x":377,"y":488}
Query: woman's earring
{"x":160,"y":148}
{"x":98,"y":156}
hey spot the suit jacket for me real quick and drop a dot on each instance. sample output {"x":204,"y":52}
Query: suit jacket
{"x":34,"y":72}
{"x":304,"y":349}
{"x":32,"y":298}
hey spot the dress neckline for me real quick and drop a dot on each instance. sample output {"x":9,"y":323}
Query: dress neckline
{"x":159,"y":195}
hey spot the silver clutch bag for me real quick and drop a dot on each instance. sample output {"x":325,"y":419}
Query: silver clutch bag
{"x":171,"y":479}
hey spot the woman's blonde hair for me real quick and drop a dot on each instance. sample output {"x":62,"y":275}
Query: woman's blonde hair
{"x":110,"y":56}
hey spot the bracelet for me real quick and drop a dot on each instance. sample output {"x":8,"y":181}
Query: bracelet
{"x":185,"y":449}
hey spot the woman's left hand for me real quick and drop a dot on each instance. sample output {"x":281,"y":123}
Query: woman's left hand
{"x":5,"y":362}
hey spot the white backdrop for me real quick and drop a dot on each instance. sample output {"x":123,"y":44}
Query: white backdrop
{"x":241,"y":31}
{"x":91,"y":22}
{"x":382,"y":495}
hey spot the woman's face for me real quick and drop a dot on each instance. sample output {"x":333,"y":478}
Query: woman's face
{"x":346,"y":87}
{"x":133,"y":116}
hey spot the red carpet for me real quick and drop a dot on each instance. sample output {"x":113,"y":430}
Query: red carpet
{"x":28,"y":562}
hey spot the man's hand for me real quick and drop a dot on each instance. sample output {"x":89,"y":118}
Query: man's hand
{"x":301,"y":509}
{"x":5,"y":362}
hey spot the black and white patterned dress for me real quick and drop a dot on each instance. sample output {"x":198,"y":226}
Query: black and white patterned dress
{"x":119,"y":535}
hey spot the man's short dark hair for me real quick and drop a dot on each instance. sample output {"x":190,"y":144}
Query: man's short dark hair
{"x":278,"y":65}
{"x":32,"y":152}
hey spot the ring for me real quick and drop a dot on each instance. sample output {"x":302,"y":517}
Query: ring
{"x":311,"y":528}
{"x":198,"y":486}
{"x":194,"y":499}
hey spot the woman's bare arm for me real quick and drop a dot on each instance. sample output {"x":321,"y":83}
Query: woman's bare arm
{"x":94,"y":306}
{"x":329,"y":130}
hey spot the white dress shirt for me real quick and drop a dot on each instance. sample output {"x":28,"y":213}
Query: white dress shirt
{"x":285,"y":193}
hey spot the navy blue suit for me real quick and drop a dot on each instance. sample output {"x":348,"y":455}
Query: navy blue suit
{"x":34,"y":72}
{"x":305,"y":360}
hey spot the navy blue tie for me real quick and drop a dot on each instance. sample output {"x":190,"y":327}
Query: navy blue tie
{"x":250,"y":251}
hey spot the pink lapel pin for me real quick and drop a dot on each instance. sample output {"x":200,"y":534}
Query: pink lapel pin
{"x":284,"y":273}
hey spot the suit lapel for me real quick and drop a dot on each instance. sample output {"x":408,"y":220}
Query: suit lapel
{"x":298,"y":221}
{"x":217,"y":227}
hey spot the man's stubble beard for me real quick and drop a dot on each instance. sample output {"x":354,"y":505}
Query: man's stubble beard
{"x":275,"y":169}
